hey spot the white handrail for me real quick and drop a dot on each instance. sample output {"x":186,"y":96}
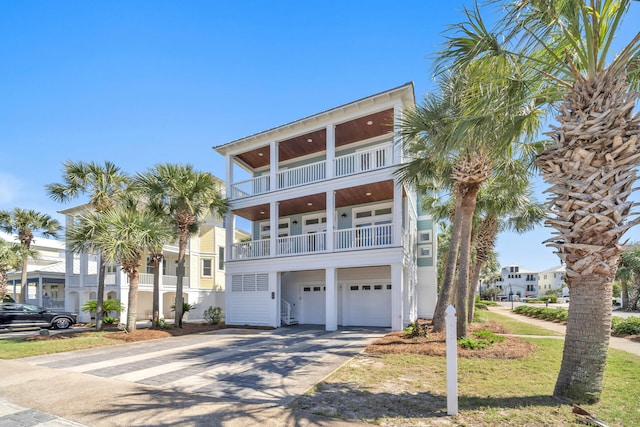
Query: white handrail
{"x":250,"y":187}
{"x":304,"y":174}
{"x":361,"y":161}
{"x":364,"y":237}
{"x":302,"y":244}
{"x":250,"y":249}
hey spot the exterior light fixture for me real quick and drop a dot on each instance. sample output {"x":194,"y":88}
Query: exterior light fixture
{"x":367,"y":194}
{"x":344,"y":215}
{"x":260,"y":154}
{"x":261,"y":212}
{"x":309,"y":140}
{"x":369,"y":123}
{"x":309,"y":204}
{"x":295,"y":222}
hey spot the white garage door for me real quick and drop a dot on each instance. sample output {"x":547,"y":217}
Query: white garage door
{"x":313,"y":304}
{"x":367,"y":304}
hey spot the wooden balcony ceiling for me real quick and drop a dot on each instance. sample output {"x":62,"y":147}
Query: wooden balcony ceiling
{"x":349,"y":132}
{"x":368,"y":193}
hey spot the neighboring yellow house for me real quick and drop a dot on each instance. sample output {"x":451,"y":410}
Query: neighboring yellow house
{"x":204,"y":281}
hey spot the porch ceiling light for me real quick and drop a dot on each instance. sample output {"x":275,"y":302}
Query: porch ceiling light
{"x":309,"y":204}
{"x":309,"y":140}
{"x":367,"y":194}
{"x":369,"y":122}
{"x":260,"y":154}
{"x":261,"y":212}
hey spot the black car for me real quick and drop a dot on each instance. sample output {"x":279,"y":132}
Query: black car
{"x":14,"y":315}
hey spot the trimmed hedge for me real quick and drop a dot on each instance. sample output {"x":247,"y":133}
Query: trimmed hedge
{"x":619,"y":325}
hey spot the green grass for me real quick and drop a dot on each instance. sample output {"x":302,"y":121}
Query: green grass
{"x":520,"y":328}
{"x":401,"y":389}
{"x":13,"y":348}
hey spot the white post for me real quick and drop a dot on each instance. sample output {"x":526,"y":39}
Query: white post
{"x":452,"y":361}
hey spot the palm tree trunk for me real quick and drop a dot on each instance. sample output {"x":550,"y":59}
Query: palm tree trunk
{"x":102,"y":269}
{"x":3,"y":283}
{"x":485,"y":242}
{"x":24,"y":288}
{"x":624,"y":294}
{"x":587,"y":341}
{"x":155,"y":316}
{"x":182,"y":250}
{"x":467,"y":209}
{"x":132,"y":309}
{"x":446,"y":290}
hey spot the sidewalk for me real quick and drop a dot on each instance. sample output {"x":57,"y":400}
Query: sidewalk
{"x":615,"y":342}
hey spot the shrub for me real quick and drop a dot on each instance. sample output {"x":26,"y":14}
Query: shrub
{"x":481,"y":306}
{"x":213,"y":315}
{"x":489,"y":303}
{"x":542,"y":312}
{"x":107,"y":306}
{"x":483,"y":338}
{"x":628,"y":326}
{"x":109,"y":320}
{"x":186,"y":307}
{"x":415,"y":330}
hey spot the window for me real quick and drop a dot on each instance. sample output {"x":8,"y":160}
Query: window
{"x":354,"y":288}
{"x":366,"y":287}
{"x":424,"y":237}
{"x":424,"y":251}
{"x":283,"y":229}
{"x":377,"y":287}
{"x":206,"y":267}
{"x":221,"y":258}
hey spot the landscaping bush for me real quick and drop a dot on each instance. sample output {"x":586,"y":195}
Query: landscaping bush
{"x":482,"y":338}
{"x":542,"y":312}
{"x":415,"y":330}
{"x":107,"y":306}
{"x":628,"y":326}
{"x":213,"y":315}
{"x":481,"y":306}
{"x":109,"y":320}
{"x":489,"y":303}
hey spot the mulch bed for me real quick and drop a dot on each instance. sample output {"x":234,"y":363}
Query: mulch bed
{"x":145,"y":334}
{"x":434,"y":344}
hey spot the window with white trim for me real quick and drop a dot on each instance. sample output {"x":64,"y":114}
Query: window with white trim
{"x":424,"y":251}
{"x":206,"y":267}
{"x":283,"y":229}
{"x":424,"y":236}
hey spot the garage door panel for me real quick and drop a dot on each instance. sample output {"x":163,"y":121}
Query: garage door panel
{"x":314,"y":303}
{"x":368,"y":304}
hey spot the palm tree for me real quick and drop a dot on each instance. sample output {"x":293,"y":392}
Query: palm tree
{"x":185,"y":195}
{"x":628,"y":272}
{"x":123,"y":233}
{"x":505,"y":203}
{"x":10,"y":259}
{"x":24,"y":223}
{"x":445,"y":137}
{"x":591,"y":164}
{"x":104,"y":184}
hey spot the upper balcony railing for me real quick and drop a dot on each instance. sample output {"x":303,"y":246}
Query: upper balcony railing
{"x":369,"y":237}
{"x":361,"y":161}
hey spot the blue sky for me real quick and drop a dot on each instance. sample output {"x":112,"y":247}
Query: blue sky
{"x":145,"y":82}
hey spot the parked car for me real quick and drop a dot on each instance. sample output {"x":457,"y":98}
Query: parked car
{"x":14,"y":315}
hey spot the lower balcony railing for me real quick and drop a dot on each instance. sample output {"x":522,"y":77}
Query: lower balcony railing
{"x":373,"y":236}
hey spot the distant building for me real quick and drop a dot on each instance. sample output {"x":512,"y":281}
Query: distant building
{"x":45,"y":273}
{"x":517,"y":282}
{"x":204,"y":280}
{"x":553,"y":279}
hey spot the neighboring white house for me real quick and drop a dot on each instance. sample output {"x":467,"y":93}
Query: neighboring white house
{"x":335,"y":239}
{"x":553,"y":279}
{"x":45,"y":273}
{"x":203,"y":284}
{"x":518,"y":282}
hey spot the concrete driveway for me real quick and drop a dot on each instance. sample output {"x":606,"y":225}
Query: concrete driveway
{"x":229,"y":377}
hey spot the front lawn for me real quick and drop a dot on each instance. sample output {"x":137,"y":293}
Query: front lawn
{"x":410,"y":389}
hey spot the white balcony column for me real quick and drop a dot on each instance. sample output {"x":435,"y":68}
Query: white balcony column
{"x":397,"y":214}
{"x":273,"y":166}
{"x":230,"y":226}
{"x":397,"y":138}
{"x":331,"y":295}
{"x":331,"y":216}
{"x":397,"y":309}
{"x":160,"y":275}
{"x":273,"y":228}
{"x":331,"y":150}
{"x":229,"y":178}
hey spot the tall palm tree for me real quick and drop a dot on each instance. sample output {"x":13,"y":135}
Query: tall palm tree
{"x":591,"y":164}
{"x":445,"y":136}
{"x":10,"y":259}
{"x":123,"y":233}
{"x":25,"y":223}
{"x":505,"y":203}
{"x":185,"y":195}
{"x":104,"y":184}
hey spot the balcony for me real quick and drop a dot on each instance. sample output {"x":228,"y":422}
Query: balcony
{"x":349,"y":164}
{"x":370,"y":237}
{"x":91,"y":280}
